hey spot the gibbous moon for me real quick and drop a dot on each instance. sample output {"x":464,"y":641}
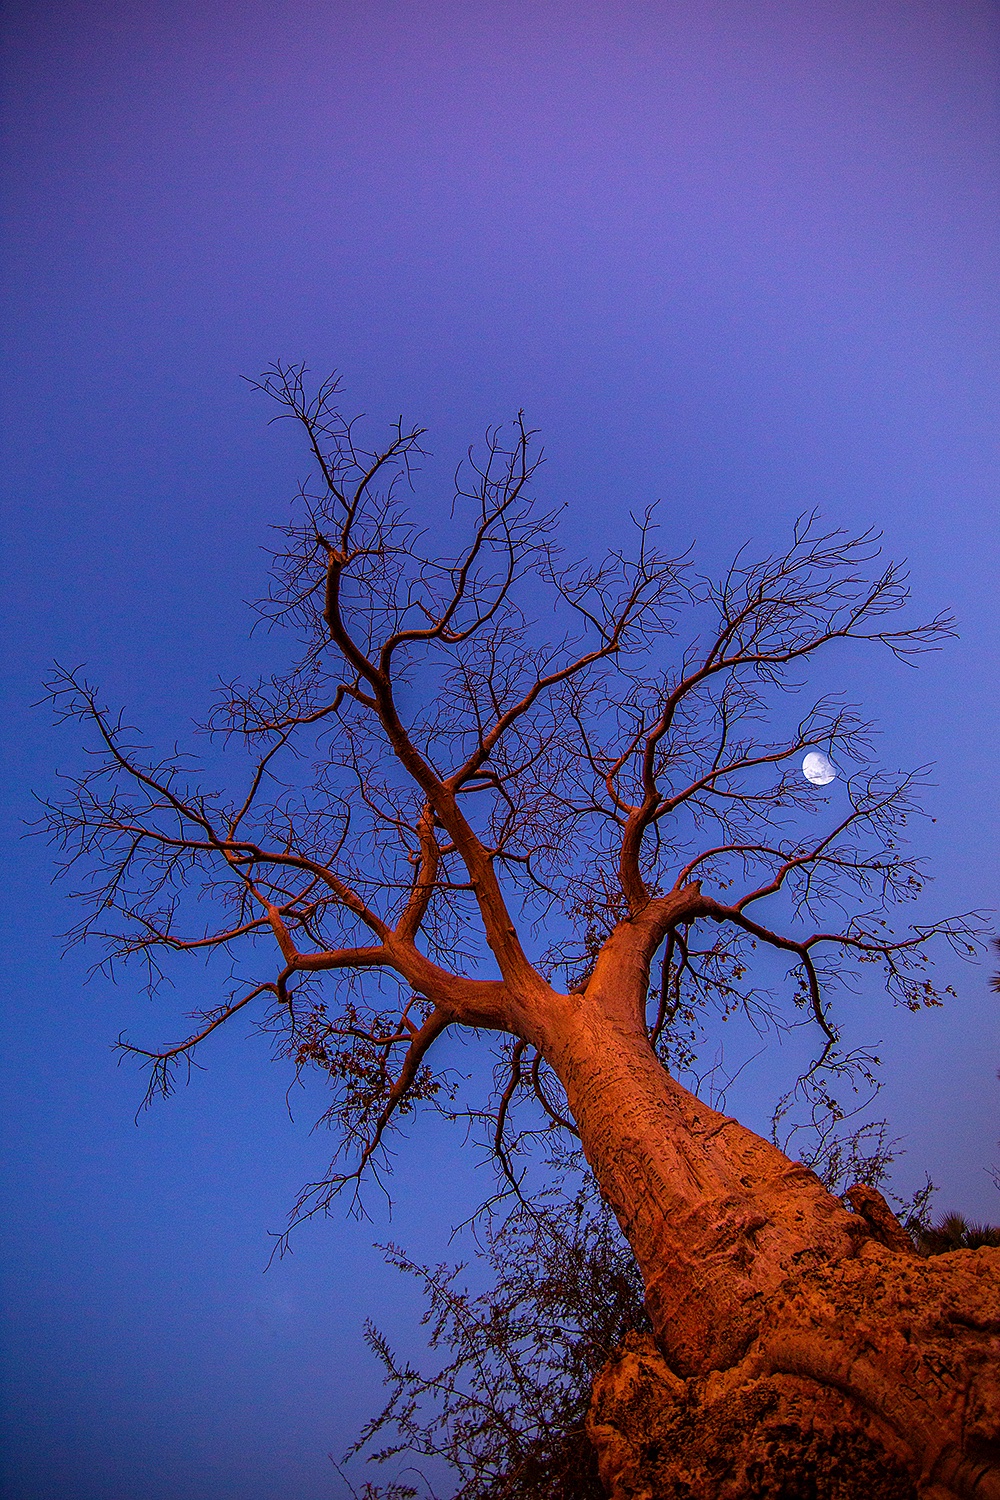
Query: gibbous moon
{"x":819,"y":768}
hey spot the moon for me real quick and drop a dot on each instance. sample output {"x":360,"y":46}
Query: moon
{"x":819,"y":768}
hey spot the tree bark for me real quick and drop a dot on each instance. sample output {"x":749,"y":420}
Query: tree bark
{"x":716,"y":1216}
{"x":795,"y":1353}
{"x":872,"y":1379}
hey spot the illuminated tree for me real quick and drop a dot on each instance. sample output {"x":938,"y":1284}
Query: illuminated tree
{"x":482,"y":742}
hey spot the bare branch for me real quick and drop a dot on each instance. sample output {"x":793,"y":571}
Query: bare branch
{"x":446,"y":780}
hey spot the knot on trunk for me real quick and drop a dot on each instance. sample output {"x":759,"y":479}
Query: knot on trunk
{"x":885,"y":1227}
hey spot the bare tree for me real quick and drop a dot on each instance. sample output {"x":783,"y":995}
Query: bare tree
{"x":440,"y":779}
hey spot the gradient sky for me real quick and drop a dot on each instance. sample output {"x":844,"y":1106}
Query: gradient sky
{"x":738,"y":254}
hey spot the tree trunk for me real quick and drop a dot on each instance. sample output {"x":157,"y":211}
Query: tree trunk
{"x":795,"y":1353}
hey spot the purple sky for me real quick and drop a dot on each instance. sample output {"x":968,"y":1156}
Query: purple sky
{"x":738,"y":254}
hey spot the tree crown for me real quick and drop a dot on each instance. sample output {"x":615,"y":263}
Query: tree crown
{"x":490,"y":767}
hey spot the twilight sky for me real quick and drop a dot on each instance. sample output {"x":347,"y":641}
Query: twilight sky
{"x":741,"y":255}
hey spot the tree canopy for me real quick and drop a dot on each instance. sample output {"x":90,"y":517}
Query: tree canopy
{"x":486,"y":758}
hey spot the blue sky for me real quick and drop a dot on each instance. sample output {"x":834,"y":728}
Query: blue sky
{"x":742,"y":257}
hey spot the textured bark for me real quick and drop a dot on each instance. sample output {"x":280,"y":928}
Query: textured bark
{"x":801,"y":1350}
{"x":717,"y":1217}
{"x":875,"y":1379}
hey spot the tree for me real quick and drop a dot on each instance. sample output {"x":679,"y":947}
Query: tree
{"x":438,"y":779}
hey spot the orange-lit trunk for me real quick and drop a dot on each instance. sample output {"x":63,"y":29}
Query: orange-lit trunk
{"x":716,"y":1216}
{"x":784,"y":1325}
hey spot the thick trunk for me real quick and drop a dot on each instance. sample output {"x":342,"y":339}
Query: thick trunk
{"x":716,"y":1216}
{"x":796,"y":1354}
{"x":873,"y":1379}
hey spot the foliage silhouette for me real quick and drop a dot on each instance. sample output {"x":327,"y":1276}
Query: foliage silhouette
{"x":506,"y":1411}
